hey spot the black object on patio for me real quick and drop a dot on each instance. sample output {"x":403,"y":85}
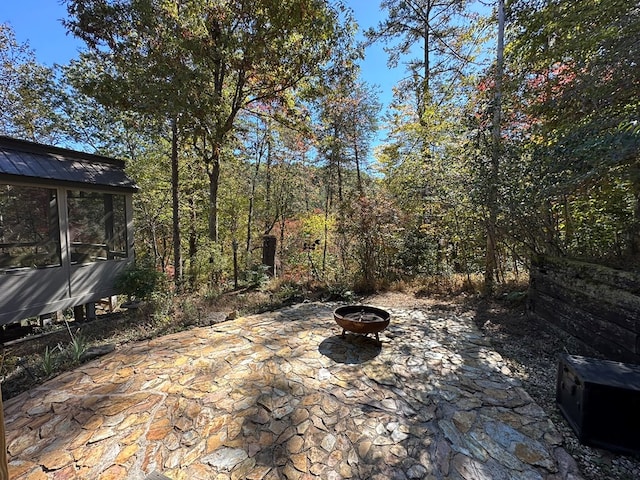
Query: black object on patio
{"x":601,"y":401}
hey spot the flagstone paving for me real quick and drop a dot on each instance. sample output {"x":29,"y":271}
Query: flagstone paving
{"x":282,"y":395}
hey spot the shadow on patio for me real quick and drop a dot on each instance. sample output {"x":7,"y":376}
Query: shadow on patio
{"x":282,"y":395}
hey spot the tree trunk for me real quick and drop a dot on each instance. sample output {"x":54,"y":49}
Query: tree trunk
{"x":250,"y":219}
{"x":339,"y":175}
{"x":254,"y":180}
{"x":234,"y":247}
{"x":267,"y":194}
{"x":214,"y":183}
{"x":356,"y":158}
{"x":252,"y":196}
{"x":424,"y":93}
{"x":193,"y":234}
{"x":327,"y":208}
{"x":177,"y":257}
{"x":334,"y":160}
{"x":193,"y":238}
{"x":250,"y":223}
{"x":491,"y":258}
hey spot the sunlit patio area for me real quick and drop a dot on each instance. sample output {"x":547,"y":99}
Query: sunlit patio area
{"x":283,"y":395}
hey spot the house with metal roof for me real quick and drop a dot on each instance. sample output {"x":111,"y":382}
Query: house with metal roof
{"x":66,"y":228}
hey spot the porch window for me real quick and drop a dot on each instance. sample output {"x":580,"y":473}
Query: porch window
{"x":97,"y":226}
{"x":29,"y":227}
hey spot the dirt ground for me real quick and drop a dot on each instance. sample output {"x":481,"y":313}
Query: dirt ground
{"x":530,"y":348}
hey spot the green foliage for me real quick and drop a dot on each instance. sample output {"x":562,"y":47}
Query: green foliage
{"x":445,"y":32}
{"x":209,"y":266}
{"x":159,"y":306}
{"x":77,"y":347}
{"x":149,"y":165}
{"x":190,"y":312}
{"x":577,"y":94}
{"x":288,"y":293}
{"x":515,"y":297}
{"x":317,"y":228}
{"x":348,"y":120}
{"x":140,"y":281}
{"x":371,"y":229}
{"x":582,"y":107}
{"x":49,"y":363}
{"x":256,"y":276}
{"x":29,"y":95}
{"x":418,"y":254}
{"x":204,"y":63}
{"x":53,"y":359}
{"x":277,"y":122}
{"x":340,"y":292}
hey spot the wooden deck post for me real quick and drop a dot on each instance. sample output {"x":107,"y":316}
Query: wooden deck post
{"x":78,"y":313}
{"x":90,"y":310}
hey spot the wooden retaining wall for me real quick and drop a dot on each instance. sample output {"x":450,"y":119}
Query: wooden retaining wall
{"x":597,"y":304}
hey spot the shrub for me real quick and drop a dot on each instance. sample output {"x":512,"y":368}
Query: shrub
{"x":139,"y":281}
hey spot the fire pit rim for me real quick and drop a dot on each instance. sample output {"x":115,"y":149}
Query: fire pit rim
{"x":357,"y":326}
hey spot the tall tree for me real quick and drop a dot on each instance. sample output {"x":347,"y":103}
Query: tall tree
{"x":348,"y":118}
{"x":28,"y":97}
{"x":210,"y":58}
{"x":438,"y":41}
{"x":496,"y":151}
{"x":577,"y":63}
{"x":443,"y":32}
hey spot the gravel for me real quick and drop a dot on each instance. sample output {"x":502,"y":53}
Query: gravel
{"x":532,"y":348}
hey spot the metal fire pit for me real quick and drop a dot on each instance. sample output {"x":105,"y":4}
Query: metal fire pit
{"x":361,"y":319}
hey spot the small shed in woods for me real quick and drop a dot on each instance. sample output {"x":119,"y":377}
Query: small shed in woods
{"x":66,"y":228}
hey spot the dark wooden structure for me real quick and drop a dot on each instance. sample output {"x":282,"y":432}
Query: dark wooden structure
{"x":269,"y":254}
{"x":596,"y":304}
{"x":600,"y":399}
{"x":66,"y":228}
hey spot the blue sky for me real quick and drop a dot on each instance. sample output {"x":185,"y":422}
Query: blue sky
{"x":38,"y":22}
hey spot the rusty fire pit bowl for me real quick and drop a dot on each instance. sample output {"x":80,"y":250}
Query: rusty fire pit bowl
{"x":361,"y":319}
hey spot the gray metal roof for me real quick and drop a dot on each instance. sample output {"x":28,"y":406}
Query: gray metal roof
{"x":33,"y":162}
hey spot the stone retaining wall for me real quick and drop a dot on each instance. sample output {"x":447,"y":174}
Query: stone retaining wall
{"x":597,"y":304}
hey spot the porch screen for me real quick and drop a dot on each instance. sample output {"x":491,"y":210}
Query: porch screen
{"x":29,"y":227}
{"x":97,"y":226}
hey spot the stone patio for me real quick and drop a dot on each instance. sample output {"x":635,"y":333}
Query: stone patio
{"x":282,"y":395}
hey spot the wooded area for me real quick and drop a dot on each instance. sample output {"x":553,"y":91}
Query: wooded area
{"x":515,"y":132}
